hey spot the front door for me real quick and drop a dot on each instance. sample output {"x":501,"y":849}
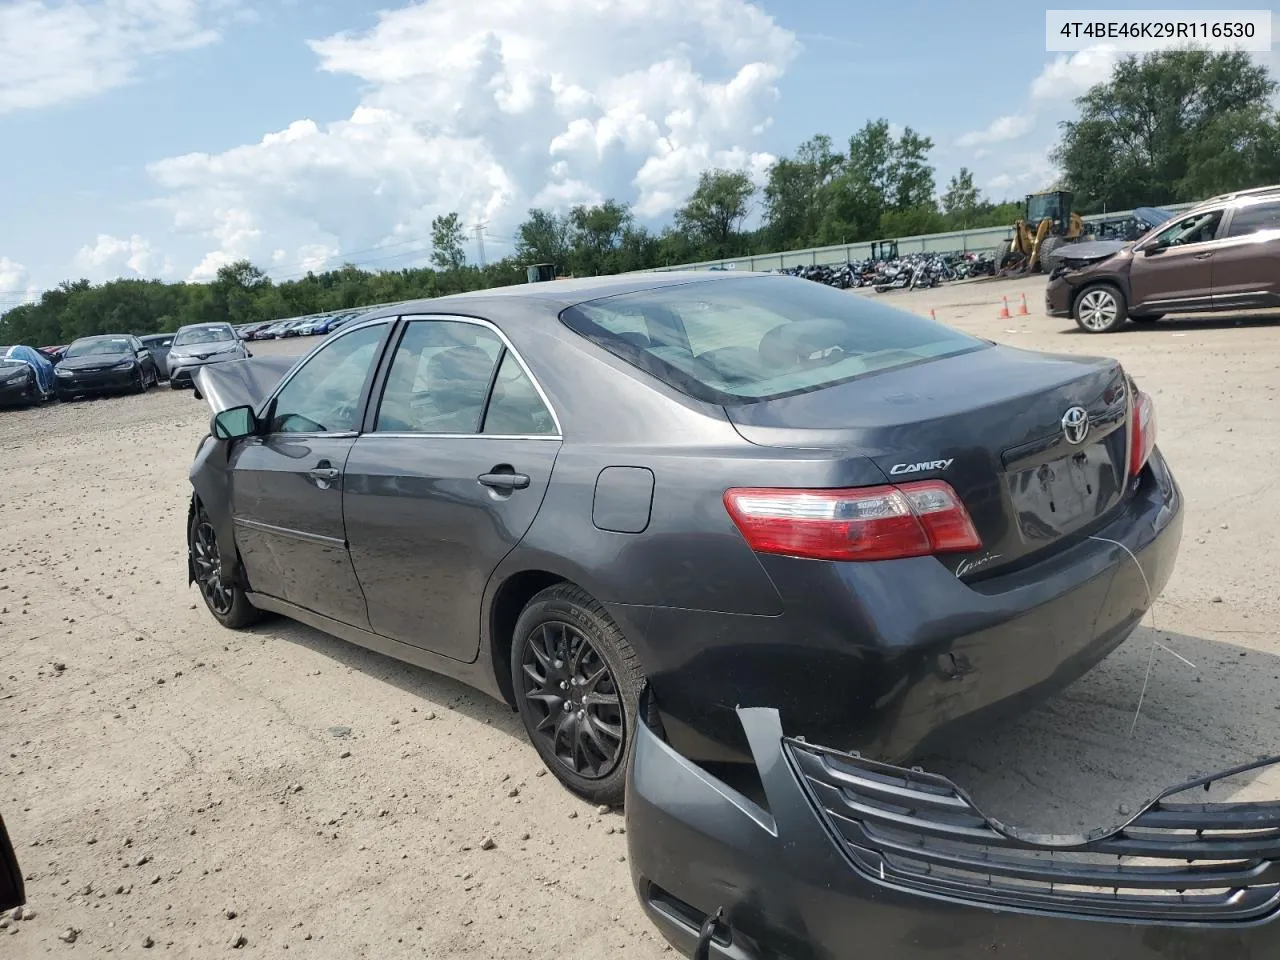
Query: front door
{"x":1174,"y":269}
{"x":286,"y":485}
{"x":446,"y":482}
{"x":1246,"y":267}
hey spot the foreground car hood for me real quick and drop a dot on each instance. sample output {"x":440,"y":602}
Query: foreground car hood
{"x":904,"y":864}
{"x":240,"y":382}
{"x":93,"y":363}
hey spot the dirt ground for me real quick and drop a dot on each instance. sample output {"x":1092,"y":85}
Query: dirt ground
{"x":172,"y":787}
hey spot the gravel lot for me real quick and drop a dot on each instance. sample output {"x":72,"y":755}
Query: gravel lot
{"x":173,"y":785}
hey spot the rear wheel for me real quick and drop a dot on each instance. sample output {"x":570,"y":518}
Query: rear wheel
{"x":225,"y":600}
{"x":577,"y":684}
{"x":1100,"y":309}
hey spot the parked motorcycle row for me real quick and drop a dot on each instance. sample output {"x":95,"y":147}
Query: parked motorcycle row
{"x":914,"y":271}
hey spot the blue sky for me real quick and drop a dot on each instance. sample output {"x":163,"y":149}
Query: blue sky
{"x":164,"y":137}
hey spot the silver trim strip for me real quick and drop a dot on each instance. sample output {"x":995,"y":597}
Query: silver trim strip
{"x":290,"y":533}
{"x":459,"y":436}
{"x":476,"y":321}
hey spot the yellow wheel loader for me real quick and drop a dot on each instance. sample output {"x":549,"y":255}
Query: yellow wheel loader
{"x":1048,"y":223}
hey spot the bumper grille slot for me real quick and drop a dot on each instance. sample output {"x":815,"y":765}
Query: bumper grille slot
{"x":1193,"y":863}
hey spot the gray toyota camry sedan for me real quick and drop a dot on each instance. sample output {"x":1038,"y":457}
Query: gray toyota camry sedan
{"x":738,"y":490}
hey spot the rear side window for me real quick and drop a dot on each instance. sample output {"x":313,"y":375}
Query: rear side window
{"x":758,"y":338}
{"x":1254,"y":219}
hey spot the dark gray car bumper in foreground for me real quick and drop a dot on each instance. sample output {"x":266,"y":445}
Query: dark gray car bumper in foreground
{"x":856,"y":859}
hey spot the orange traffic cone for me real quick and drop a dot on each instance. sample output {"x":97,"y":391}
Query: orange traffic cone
{"x":1022,"y":310}
{"x":1004,"y":311}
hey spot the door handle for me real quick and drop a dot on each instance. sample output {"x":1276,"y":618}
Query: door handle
{"x":324,"y":471}
{"x":1203,"y":256}
{"x":504,"y":481}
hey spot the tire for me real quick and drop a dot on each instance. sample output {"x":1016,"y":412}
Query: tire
{"x":142,"y":384}
{"x":1100,"y":308}
{"x":1048,"y":247}
{"x":1146,"y":317}
{"x":227,"y":602}
{"x":564,"y":619}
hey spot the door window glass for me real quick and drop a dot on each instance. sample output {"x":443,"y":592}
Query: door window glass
{"x":515,"y":408}
{"x":1255,"y":219}
{"x":439,"y":378}
{"x":1200,"y":228}
{"x":324,"y":395}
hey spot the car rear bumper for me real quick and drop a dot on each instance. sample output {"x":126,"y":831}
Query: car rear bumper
{"x":896,"y":657}
{"x":857,"y":859}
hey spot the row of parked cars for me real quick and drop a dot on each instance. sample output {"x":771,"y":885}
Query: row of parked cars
{"x":114,"y":363}
{"x":310,"y":326}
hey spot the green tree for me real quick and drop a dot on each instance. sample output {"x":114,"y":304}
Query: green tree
{"x":795,"y":192}
{"x":1169,"y":126}
{"x":543,"y":238}
{"x":714,"y":212}
{"x":595,"y":234}
{"x":961,"y":199}
{"x":446,"y":242}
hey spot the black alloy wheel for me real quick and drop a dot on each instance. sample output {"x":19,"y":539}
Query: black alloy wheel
{"x":577,"y":685}
{"x":225,"y":599}
{"x":570,"y":690}
{"x":208,"y":564}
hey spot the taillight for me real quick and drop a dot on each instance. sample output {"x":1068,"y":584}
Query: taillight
{"x":1142,"y":432}
{"x":861,"y":523}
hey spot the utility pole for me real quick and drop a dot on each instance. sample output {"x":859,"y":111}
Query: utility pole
{"x":479,"y":229}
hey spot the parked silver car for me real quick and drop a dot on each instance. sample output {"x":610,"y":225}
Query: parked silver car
{"x":199,"y":344}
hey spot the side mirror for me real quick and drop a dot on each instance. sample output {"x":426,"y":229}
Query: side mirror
{"x":234,"y":423}
{"x":12,"y":893}
{"x":1151,"y":249}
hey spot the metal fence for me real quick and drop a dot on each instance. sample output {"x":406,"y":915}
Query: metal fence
{"x":983,"y":239}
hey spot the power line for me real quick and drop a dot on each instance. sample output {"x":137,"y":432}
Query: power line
{"x":479,"y":229}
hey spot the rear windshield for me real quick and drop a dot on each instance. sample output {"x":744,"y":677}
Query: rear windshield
{"x":759,"y":338}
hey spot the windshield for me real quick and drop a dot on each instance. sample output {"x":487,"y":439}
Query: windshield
{"x":108,"y":346}
{"x":186,"y":338}
{"x":757,"y":338}
{"x":1042,"y":208}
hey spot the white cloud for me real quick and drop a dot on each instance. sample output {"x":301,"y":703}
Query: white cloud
{"x":1025,"y":172}
{"x":489,"y":108}
{"x":15,"y":285}
{"x":1010,"y":127}
{"x":53,"y":52}
{"x":110,"y":257}
{"x":1068,"y":76}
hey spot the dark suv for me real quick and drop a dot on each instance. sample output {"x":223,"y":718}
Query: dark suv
{"x":1223,"y":254}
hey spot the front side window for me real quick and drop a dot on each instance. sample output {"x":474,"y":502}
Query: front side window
{"x":754,"y":338}
{"x":324,"y":395}
{"x":1200,"y":228}
{"x":1255,"y":219}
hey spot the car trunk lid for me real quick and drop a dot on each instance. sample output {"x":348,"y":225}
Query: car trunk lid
{"x":994,"y":424}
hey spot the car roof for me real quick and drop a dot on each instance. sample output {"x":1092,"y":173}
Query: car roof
{"x":1238,"y":198}
{"x":204,"y":326}
{"x":103,"y":336}
{"x":559,"y":294}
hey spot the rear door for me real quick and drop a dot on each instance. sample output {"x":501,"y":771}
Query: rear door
{"x":286,"y":486}
{"x":1246,"y":266}
{"x":445,"y":480}
{"x":1174,"y":269}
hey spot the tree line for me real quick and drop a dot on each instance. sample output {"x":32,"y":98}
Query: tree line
{"x":1171,"y":126}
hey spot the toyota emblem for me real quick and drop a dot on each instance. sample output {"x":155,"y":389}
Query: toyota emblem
{"x":1075,"y":425}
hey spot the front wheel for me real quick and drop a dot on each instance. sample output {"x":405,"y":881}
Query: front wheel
{"x":1100,"y":309}
{"x":577,"y":684}
{"x":225,"y":600}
